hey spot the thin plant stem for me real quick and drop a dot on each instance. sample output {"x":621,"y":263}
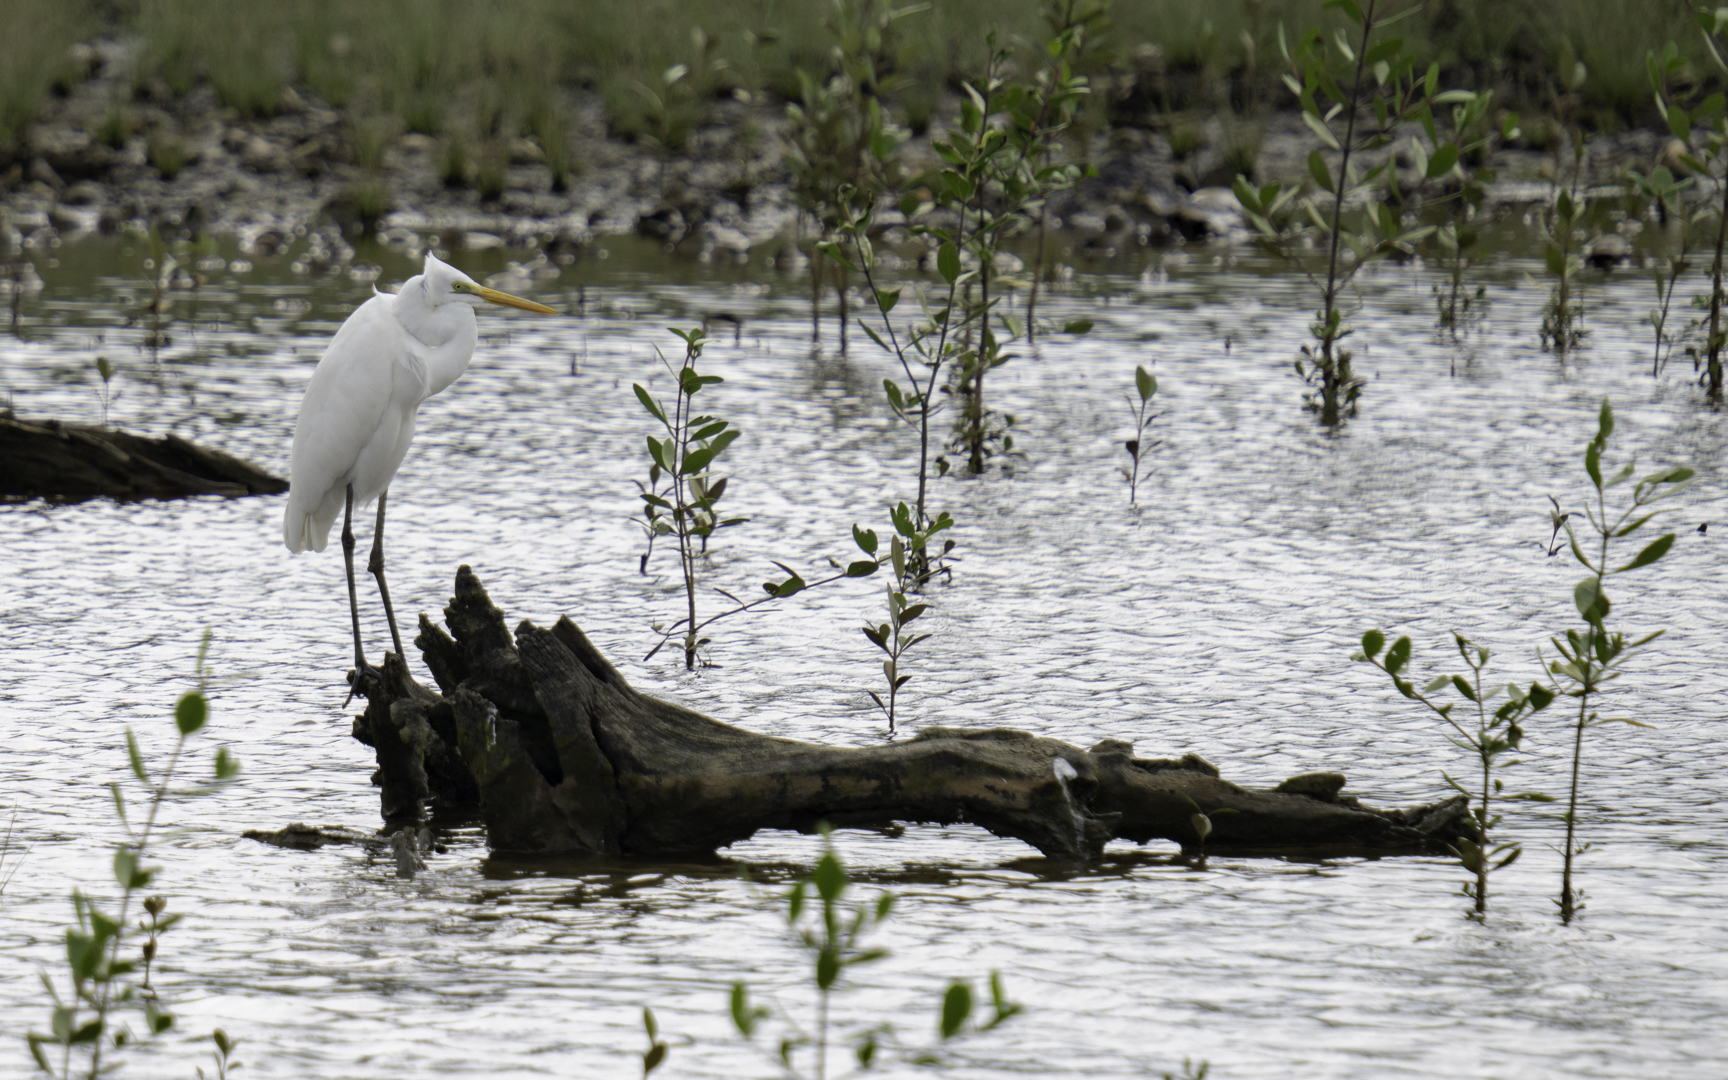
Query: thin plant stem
{"x":1713,"y":350}
{"x":1568,"y":899}
{"x":103,"y":1002}
{"x":1329,"y":373}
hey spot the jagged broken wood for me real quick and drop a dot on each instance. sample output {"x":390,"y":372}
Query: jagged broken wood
{"x":561,"y":755}
{"x":46,"y":459}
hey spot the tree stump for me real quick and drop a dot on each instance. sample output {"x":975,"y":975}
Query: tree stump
{"x":70,"y":462}
{"x":561,"y":755}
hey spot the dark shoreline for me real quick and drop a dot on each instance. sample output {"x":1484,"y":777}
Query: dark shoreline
{"x":725,"y":193}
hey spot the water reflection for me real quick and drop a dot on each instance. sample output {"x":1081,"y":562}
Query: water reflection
{"x":1218,"y":618}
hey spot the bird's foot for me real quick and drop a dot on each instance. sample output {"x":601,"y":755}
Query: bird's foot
{"x":365,"y":680}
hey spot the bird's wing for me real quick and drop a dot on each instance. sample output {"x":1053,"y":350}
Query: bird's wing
{"x":351,"y":396}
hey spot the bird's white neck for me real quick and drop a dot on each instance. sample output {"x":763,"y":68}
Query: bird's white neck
{"x":447,"y":333}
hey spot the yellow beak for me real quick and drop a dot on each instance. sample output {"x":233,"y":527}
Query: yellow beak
{"x":507,"y":300}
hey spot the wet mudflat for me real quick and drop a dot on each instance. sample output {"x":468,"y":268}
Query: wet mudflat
{"x":1217,"y":619}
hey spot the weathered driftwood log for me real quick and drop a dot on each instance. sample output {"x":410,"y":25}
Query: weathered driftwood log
{"x":68,"y":463}
{"x":561,"y":755}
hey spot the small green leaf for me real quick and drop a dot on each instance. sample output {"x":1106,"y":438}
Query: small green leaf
{"x":1652,"y":552}
{"x":827,"y":969}
{"x":829,"y":877}
{"x":1463,"y":686}
{"x":1372,"y":642}
{"x":1441,"y":163}
{"x":1592,"y":601}
{"x":1145,"y":383}
{"x":1318,"y":126}
{"x":865,"y":539}
{"x":886,"y":299}
{"x":956,"y":1008}
{"x":1077,"y":326}
{"x":136,"y":760}
{"x":649,"y":403}
{"x":1398,"y":655}
{"x":1318,"y":170}
{"x":190,"y":712}
{"x":948,"y":262}
{"x":1679,"y":122}
{"x":743,"y":1017}
{"x":125,"y":866}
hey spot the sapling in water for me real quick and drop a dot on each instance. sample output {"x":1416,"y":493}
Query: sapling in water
{"x":686,"y":506}
{"x":1469,"y":138}
{"x":83,"y":1028}
{"x":833,"y":935}
{"x":1561,"y":221}
{"x":223,"y":1054}
{"x":907,"y":543}
{"x":792,"y":585}
{"x":10,"y":859}
{"x":1077,"y":27}
{"x":1353,"y":72}
{"x":841,"y":140}
{"x":1667,"y":193}
{"x":1703,"y":130}
{"x":1492,"y":735}
{"x":655,"y":1055}
{"x":996,"y":168}
{"x":1145,"y":384}
{"x":1592,"y":658}
{"x":106,"y":370}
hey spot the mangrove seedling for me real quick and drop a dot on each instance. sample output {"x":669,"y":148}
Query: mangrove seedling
{"x":1145,"y":384}
{"x":1703,"y":129}
{"x":841,"y":140}
{"x":792,"y":585}
{"x":1667,"y":193}
{"x":1470,"y":138}
{"x":997,"y":168}
{"x":1492,"y":735}
{"x":685,"y":508}
{"x":832,"y":934}
{"x":223,"y":1054}
{"x":106,"y":370}
{"x":655,"y":1055}
{"x":1561,"y":220}
{"x":102,"y":979}
{"x":1370,"y":86}
{"x":1077,"y":28}
{"x":1452,"y":178}
{"x":906,"y":552}
{"x":1592,"y":658}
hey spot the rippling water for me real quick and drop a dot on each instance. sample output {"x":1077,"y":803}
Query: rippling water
{"x":1219,"y":619}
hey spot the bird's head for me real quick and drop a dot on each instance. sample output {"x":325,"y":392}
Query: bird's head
{"x":445,"y":285}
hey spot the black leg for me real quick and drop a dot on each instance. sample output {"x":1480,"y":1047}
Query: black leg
{"x":362,"y":670}
{"x":375,"y":566}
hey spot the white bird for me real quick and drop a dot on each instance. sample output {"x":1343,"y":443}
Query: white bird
{"x":355,"y":424}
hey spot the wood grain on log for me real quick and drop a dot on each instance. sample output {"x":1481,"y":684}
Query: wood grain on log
{"x":562,"y":755}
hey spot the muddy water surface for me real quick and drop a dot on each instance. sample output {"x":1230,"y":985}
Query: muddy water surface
{"x":1219,"y":618}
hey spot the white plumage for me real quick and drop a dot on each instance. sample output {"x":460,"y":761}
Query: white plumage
{"x":357,"y":419}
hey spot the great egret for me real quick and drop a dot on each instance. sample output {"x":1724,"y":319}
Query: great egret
{"x":355,"y":424}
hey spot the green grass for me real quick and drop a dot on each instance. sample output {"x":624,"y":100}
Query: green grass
{"x":501,"y":69}
{"x":34,"y":38}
